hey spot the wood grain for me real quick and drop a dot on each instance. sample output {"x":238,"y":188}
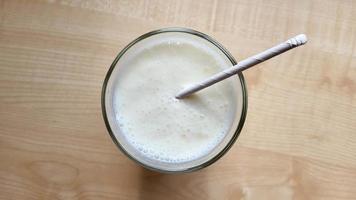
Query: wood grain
{"x":299,"y":140}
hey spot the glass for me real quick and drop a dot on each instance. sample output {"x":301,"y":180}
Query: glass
{"x":112,"y":124}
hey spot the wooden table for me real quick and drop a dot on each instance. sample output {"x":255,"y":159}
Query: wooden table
{"x":299,"y":139}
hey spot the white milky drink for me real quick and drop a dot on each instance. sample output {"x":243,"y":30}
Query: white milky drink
{"x":154,"y":127}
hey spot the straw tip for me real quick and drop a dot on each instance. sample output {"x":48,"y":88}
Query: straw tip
{"x":301,"y":38}
{"x":180,"y":95}
{"x":183,"y":93}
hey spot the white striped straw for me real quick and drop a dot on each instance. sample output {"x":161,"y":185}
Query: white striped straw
{"x":245,"y":64}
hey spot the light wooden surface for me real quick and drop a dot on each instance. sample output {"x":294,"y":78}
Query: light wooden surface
{"x":299,"y":140}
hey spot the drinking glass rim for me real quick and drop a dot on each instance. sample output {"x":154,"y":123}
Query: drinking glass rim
{"x":221,"y":48}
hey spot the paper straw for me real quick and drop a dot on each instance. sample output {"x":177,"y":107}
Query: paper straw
{"x":245,"y":64}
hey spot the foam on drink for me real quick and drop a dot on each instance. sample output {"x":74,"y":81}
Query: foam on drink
{"x":156,"y":124}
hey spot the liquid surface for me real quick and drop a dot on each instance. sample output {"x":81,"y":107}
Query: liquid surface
{"x":159,"y":126}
